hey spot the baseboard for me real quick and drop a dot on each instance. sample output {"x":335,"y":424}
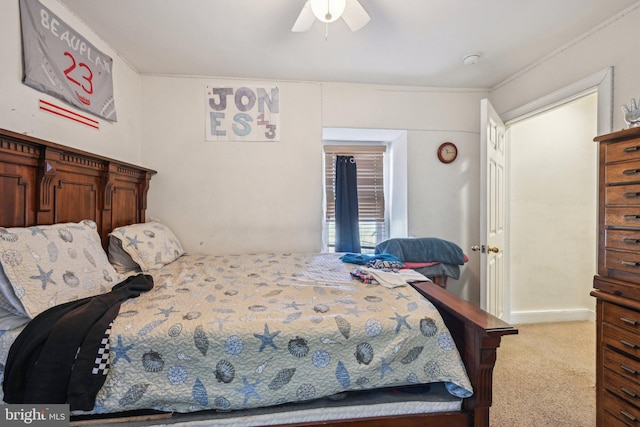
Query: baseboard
{"x":545,"y":316}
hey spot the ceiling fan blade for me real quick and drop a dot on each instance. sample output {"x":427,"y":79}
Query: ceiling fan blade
{"x":355,"y":16}
{"x":305,"y":19}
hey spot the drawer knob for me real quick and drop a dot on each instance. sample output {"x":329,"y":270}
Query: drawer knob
{"x":628,"y":370}
{"x":630,"y":263}
{"x":631,"y":195}
{"x":629,"y":321}
{"x":632,"y":217}
{"x":632,"y":149}
{"x":628,"y":344}
{"x":628,"y":415}
{"x":628,"y":392}
{"x":631,"y":172}
{"x":631,"y":241}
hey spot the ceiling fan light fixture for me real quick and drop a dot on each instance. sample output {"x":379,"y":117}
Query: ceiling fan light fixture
{"x":328,"y":10}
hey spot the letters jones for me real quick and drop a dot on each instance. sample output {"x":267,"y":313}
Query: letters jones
{"x":245,"y":100}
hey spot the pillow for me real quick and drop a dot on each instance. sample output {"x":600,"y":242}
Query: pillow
{"x":450,"y":270}
{"x":151,"y":244}
{"x":422,"y":249}
{"x":10,"y":321}
{"x":53,"y":264}
{"x":119,"y":258}
{"x":8,"y":299}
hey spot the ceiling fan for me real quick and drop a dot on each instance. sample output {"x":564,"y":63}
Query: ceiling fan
{"x":330,"y":11}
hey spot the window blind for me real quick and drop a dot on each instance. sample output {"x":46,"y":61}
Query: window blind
{"x":371,"y":204}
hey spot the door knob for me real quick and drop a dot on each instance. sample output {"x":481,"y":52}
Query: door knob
{"x":493,"y":249}
{"x":475,"y":248}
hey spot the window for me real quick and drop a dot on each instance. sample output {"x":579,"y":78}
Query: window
{"x":371,"y":198}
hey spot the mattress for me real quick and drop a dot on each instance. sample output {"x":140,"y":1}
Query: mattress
{"x":375,"y":403}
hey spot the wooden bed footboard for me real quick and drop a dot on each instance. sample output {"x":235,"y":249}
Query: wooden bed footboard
{"x":477,"y":335}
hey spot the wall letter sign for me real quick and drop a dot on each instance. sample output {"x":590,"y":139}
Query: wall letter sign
{"x":242,"y":114}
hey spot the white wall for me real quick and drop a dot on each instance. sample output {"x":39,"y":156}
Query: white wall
{"x":225,"y":196}
{"x":591,"y":53}
{"x":19,"y":111}
{"x":553,"y":214}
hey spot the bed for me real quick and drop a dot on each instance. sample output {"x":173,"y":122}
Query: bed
{"x":102,"y":202}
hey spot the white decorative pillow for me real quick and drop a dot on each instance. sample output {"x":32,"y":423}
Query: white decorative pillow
{"x":151,"y":244}
{"x":49,"y":265}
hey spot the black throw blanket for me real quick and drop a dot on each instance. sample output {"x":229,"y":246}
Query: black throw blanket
{"x":54,"y":358}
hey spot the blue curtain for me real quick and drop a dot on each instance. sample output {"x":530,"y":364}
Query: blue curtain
{"x":347,"y":228}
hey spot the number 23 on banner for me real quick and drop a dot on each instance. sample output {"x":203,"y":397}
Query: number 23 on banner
{"x":81,"y":75}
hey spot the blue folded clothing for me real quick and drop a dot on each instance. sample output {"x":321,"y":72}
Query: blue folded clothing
{"x":363,"y":259}
{"x":422,"y":249}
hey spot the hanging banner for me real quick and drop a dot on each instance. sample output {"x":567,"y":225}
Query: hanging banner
{"x":60,"y":62}
{"x":242,"y":114}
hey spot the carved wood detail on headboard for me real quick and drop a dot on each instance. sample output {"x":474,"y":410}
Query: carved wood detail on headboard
{"x":42,"y":183}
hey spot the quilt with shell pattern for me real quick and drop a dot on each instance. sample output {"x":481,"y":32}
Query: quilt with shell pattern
{"x":235,"y":332}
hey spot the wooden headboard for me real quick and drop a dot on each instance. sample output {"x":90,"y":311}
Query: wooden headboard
{"x":44,"y":183}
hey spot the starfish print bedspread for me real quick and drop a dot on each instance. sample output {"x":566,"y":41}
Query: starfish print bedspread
{"x":234,"y":332}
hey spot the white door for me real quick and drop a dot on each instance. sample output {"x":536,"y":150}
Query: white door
{"x":492,"y":210}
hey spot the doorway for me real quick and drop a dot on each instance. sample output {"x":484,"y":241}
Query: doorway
{"x":516,"y":309}
{"x":553,"y":176}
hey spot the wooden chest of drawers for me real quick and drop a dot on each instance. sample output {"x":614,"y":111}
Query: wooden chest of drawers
{"x":618,"y":280}
{"x":619,"y":211}
{"x":618,"y":359}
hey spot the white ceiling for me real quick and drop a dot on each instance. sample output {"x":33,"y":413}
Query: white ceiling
{"x":407,"y":42}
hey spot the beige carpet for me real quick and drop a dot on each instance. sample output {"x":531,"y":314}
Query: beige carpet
{"x":545,"y":376}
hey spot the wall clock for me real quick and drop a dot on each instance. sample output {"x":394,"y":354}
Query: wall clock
{"x":447,"y":152}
